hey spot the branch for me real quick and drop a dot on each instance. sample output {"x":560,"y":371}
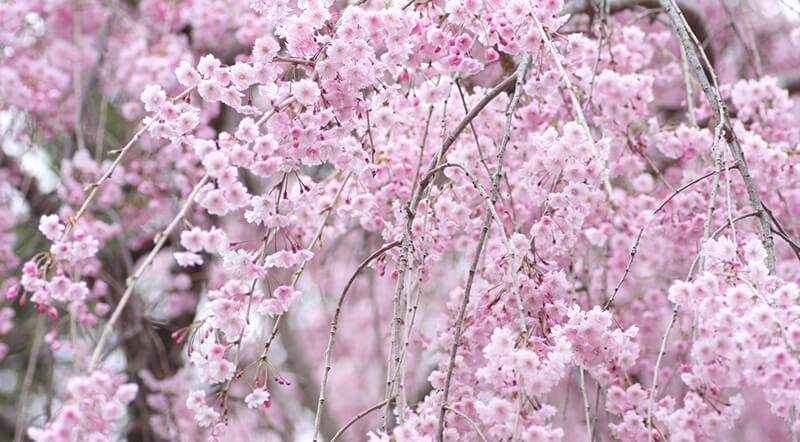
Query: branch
{"x":635,"y":246}
{"x":503,"y":237}
{"x":334,"y":326}
{"x":311,"y":245}
{"x":688,"y":42}
{"x":131,"y":282}
{"x":790,"y":81}
{"x":357,"y":417}
{"x":520,"y":74}
{"x":577,"y":108}
{"x":409,"y":211}
{"x":95,"y":187}
{"x":468,"y":419}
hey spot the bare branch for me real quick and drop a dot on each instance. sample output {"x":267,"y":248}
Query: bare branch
{"x":335,"y":324}
{"x":131,"y":282}
{"x":356,"y":418}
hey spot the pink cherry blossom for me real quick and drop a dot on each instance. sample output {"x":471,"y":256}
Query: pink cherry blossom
{"x":520,"y":220}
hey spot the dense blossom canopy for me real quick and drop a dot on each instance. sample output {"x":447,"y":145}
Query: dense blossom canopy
{"x":408,"y":220}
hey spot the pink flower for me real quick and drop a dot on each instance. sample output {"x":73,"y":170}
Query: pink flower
{"x":215,"y":163}
{"x":247,"y":131}
{"x":225,"y":315}
{"x":187,"y":75}
{"x":153,"y":97}
{"x":188,"y":259}
{"x":306,"y":92}
{"x":210,"y":89}
{"x":241,"y":265}
{"x":285,"y":294}
{"x":51,"y":227}
{"x":203,"y":414}
{"x":193,"y":239}
{"x":265,"y":48}
{"x":232,"y":98}
{"x":242,"y":75}
{"x":6,"y":323}
{"x":286,"y":259}
{"x":216,"y":241}
{"x":217,"y":371}
{"x":208,"y":64}
{"x":265,"y":145}
{"x":267,"y":168}
{"x":215,"y":202}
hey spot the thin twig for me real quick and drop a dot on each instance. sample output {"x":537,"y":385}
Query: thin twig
{"x":577,"y":108}
{"x":76,"y":78}
{"x":33,"y":357}
{"x":295,"y":60}
{"x":755,"y":60}
{"x":472,"y":128}
{"x":712,"y":198}
{"x":130,"y":283}
{"x":96,"y":185}
{"x":687,"y":80}
{"x":696,"y":18}
{"x":468,"y":419}
{"x":422,"y":149}
{"x":587,"y":409}
{"x":661,"y":353}
{"x":503,"y":237}
{"x":299,"y":271}
{"x":334,"y":326}
{"x":635,"y":246}
{"x":356,"y":418}
{"x":409,"y":211}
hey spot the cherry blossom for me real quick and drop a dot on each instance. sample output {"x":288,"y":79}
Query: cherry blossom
{"x":400,"y":220}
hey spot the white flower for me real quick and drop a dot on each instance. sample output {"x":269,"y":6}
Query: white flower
{"x":258,"y":398}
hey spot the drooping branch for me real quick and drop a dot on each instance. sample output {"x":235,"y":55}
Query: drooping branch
{"x":708,"y":82}
{"x":409,"y":212}
{"x":356,"y":418}
{"x":334,"y":326}
{"x":131,"y":282}
{"x":520,"y":75}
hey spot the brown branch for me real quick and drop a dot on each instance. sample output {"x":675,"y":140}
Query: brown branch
{"x":790,"y":81}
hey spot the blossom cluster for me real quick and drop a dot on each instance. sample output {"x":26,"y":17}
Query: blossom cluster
{"x":511,"y":220}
